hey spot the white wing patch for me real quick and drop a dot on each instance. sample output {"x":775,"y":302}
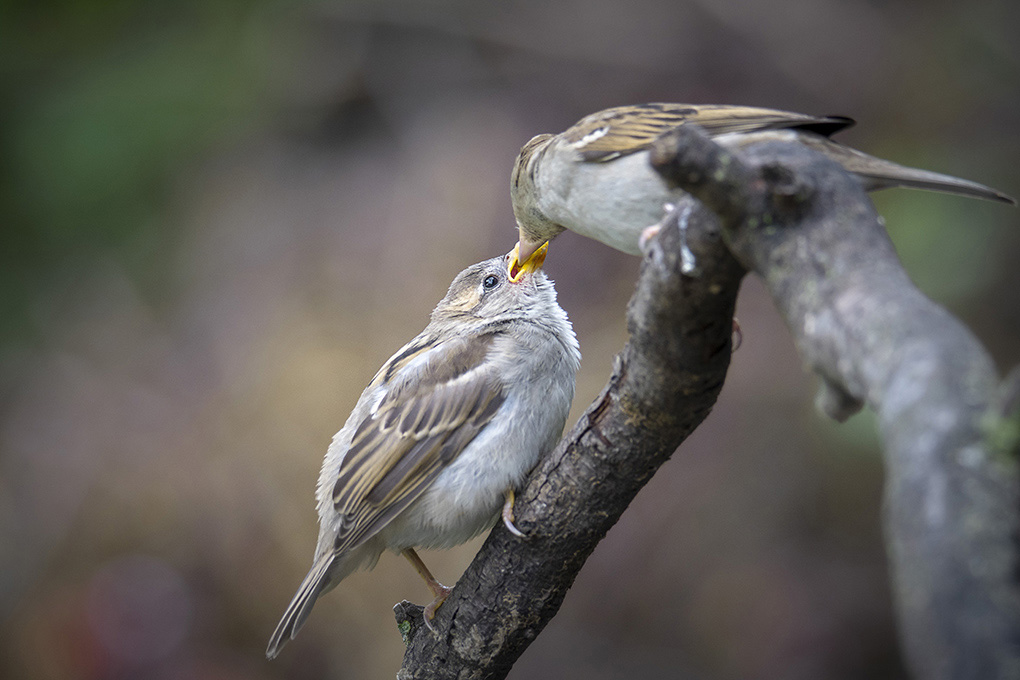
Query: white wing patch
{"x":592,"y":136}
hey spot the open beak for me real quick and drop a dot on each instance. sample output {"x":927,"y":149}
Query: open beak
{"x":531,"y":263}
{"x":528,"y":247}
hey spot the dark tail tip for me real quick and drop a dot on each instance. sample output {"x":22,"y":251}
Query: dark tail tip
{"x":828,"y":126}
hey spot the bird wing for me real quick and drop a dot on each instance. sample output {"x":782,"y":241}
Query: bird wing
{"x":623,"y":130}
{"x":420,"y":426}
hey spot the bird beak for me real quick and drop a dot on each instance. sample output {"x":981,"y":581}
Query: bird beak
{"x":528,"y":247}
{"x":532,"y":263}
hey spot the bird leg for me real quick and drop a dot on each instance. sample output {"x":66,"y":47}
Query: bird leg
{"x":440,"y":591}
{"x":508,"y":514}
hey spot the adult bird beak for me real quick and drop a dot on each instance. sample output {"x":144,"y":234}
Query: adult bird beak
{"x":531,"y":263}
{"x":528,"y":246}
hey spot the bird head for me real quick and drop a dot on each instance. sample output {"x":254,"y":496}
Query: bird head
{"x":487,"y":290}
{"x":534,"y":228}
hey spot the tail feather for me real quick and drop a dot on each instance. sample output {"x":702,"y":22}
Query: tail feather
{"x":301,"y":606}
{"x":881,"y":174}
{"x":901,"y":176}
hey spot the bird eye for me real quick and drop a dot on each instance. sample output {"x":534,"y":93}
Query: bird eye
{"x":490,"y":281}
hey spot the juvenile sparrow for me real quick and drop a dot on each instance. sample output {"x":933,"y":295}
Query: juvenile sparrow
{"x":595,"y":178}
{"x":446,"y":430}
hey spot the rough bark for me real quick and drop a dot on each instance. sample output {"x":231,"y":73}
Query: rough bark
{"x":950,"y":431}
{"x":663,"y":385}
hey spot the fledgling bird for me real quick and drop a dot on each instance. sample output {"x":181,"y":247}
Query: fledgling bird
{"x":595,"y":178}
{"x":446,"y":430}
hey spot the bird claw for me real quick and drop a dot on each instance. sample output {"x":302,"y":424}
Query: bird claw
{"x":508,"y":515}
{"x":647,"y":234}
{"x":442,"y":592}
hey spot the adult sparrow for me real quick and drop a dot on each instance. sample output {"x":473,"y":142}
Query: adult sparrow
{"x":595,"y":178}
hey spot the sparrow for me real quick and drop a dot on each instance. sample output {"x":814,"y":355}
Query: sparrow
{"x":595,"y":178}
{"x":444,"y":433}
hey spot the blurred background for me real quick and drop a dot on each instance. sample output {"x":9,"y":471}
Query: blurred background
{"x":219,"y":218}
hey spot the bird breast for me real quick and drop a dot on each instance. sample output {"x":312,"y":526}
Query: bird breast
{"x":465,"y":499}
{"x":611,"y":202}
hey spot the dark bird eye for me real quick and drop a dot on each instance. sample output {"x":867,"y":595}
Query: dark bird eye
{"x":490,"y":281}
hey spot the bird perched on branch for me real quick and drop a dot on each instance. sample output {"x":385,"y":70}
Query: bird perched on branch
{"x":595,"y":178}
{"x":446,"y":430}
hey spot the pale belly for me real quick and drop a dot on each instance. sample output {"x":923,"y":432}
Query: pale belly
{"x":611,"y":202}
{"x":466,"y":497}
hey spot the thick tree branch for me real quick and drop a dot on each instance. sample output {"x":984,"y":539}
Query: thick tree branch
{"x":950,"y":433}
{"x":663,"y":385}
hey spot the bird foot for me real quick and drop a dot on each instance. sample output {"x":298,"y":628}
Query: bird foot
{"x":647,"y":234}
{"x":508,"y":515}
{"x":441,"y":592}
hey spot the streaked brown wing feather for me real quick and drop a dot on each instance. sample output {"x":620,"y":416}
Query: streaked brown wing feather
{"x":418,"y":429}
{"x":617,"y":132}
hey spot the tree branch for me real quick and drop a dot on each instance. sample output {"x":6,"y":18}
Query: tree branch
{"x":950,"y":433}
{"x":663,"y":385}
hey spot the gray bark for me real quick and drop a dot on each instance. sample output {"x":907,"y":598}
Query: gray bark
{"x":949,"y":430}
